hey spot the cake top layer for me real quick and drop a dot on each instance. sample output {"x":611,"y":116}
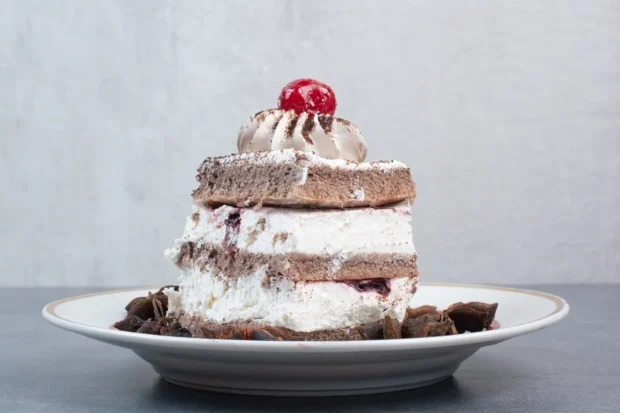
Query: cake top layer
{"x":300,"y":155}
{"x":299,"y":179}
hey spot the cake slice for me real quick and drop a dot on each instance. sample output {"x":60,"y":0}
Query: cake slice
{"x":296,"y":232}
{"x":288,"y":178}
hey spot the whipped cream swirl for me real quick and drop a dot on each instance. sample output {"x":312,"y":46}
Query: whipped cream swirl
{"x":324,"y":135}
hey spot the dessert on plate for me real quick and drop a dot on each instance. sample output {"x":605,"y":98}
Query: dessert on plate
{"x":296,"y":237}
{"x":297,"y":231}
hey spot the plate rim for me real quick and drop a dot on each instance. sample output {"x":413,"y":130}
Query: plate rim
{"x":132,"y":340}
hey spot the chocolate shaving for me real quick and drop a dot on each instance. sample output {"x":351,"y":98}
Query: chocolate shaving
{"x":133,"y":302}
{"x":440,"y":328}
{"x":174,"y":330}
{"x":371,"y":331}
{"x":418,"y":311}
{"x":150,"y":327}
{"x":391,"y":328}
{"x":130,"y":323}
{"x":472,"y":317}
{"x":181,"y":332}
{"x":151,"y":306}
{"x":417,"y":327}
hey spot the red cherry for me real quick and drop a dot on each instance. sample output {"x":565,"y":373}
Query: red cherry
{"x":308,"y":95}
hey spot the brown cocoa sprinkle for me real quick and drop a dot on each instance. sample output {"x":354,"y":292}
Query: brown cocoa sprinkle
{"x":326,"y":122}
{"x":290,"y":128}
{"x":260,"y":116}
{"x":344,"y":122}
{"x":275,"y":124}
{"x":307,"y":129}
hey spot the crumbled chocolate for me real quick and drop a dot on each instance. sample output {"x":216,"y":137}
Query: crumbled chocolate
{"x":133,"y":302}
{"x":391,"y":328}
{"x":130,"y":323}
{"x":419,"y":311}
{"x":417,"y":327}
{"x":262,"y":335}
{"x":230,"y":332}
{"x":426,"y":321}
{"x":472,"y":317}
{"x":280,"y":333}
{"x":147,"y":315}
{"x":181,"y":332}
{"x":371,"y":331}
{"x":151,"y":306}
{"x":150,"y":327}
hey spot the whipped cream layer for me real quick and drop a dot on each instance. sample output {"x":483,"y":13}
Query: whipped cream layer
{"x":323,"y":135}
{"x":336,"y":233}
{"x":300,"y":306}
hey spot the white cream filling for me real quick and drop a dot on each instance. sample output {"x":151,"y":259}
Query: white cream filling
{"x":340,"y":233}
{"x":301,"y":306}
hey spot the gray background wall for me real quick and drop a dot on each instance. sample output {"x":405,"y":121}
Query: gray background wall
{"x":508,"y":113}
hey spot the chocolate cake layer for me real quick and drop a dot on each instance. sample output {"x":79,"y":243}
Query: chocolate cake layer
{"x":299,"y":267}
{"x":297,"y":179}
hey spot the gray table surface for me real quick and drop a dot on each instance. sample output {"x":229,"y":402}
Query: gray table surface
{"x":573,"y":366}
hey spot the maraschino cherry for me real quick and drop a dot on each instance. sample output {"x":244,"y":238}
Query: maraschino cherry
{"x":308,"y":95}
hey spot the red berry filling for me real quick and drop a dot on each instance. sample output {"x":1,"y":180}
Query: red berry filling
{"x":233,"y":225}
{"x":308,"y":95}
{"x":380,"y":286}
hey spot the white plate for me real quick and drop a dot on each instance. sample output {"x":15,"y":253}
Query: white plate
{"x":312,"y":368}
